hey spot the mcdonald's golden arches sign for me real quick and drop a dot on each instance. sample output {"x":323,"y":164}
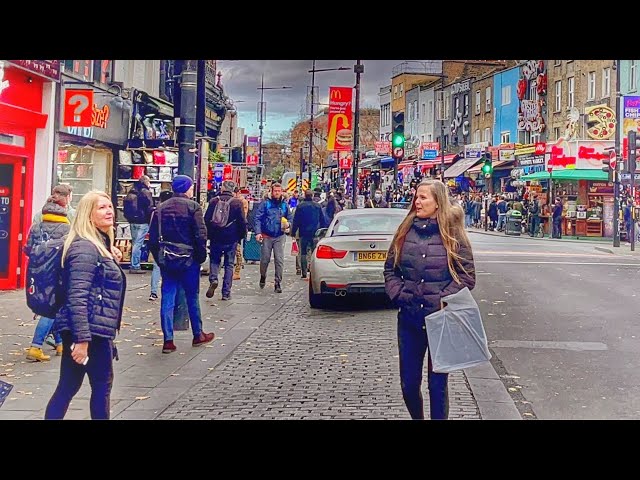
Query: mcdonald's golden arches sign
{"x":340,"y":136}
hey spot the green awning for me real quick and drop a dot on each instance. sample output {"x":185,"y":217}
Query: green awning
{"x":569,"y":174}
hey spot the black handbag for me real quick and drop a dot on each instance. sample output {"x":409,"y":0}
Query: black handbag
{"x":173,"y":257}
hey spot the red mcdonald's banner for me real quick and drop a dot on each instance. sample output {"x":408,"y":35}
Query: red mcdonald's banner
{"x":340,"y":135}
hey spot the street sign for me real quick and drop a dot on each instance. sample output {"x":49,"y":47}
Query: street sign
{"x":77,"y":108}
{"x":429,"y":154}
{"x":398,"y":152}
{"x":612,"y":157}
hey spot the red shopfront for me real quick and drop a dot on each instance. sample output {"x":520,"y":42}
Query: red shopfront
{"x":20,"y":118}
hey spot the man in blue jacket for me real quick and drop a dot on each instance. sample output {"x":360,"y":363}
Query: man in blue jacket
{"x":270,"y":232}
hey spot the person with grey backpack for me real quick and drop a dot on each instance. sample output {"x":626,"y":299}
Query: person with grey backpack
{"x":226,"y":227}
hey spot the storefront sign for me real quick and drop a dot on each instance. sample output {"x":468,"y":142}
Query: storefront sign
{"x":340,"y":136}
{"x":583,"y":154}
{"x":506,"y":155}
{"x":45,"y":68}
{"x":461,"y":87}
{"x":605,"y":188}
{"x":475,"y":150}
{"x":218,"y":172}
{"x":630,"y":116}
{"x":108,"y":119}
{"x":383,"y":148}
{"x":345,"y":160}
{"x":77,"y":108}
{"x":529,"y":159}
{"x":601,"y":122}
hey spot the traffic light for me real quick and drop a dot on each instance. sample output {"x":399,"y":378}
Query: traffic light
{"x":487,"y":167}
{"x":633,"y":146}
{"x":397,"y":135}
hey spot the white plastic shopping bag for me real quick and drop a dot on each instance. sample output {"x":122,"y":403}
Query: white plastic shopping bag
{"x":457,"y":339}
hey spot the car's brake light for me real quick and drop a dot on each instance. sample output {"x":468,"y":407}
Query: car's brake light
{"x":327,"y":252}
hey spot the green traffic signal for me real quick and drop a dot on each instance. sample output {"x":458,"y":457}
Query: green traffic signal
{"x":487,"y":168}
{"x":398,"y":140}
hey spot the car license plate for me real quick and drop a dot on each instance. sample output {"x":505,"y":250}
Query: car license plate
{"x":372,"y":256}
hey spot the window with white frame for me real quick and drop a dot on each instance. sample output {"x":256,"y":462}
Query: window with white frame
{"x":430,"y":113}
{"x":633,"y":75}
{"x":606,"y":82}
{"x":591,"y":86}
{"x":476,"y":136}
{"x":556,"y":133}
{"x":401,"y":89}
{"x":466,"y":104}
{"x":415,"y":109}
{"x":557,"y":63}
{"x":457,"y":106}
{"x":558,"y":95}
{"x":487,"y":97}
{"x":504,"y":137}
{"x":487,"y":135}
{"x":506,"y":95}
{"x":477,"y":102}
{"x":395,"y":92}
{"x":424,"y":112}
{"x":429,"y":137}
{"x":535,"y":137}
{"x":572,"y":85}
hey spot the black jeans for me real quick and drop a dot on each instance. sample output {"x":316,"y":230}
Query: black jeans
{"x":306,"y":244}
{"x":99,"y":368}
{"x":557,"y":227}
{"x":412,"y":348}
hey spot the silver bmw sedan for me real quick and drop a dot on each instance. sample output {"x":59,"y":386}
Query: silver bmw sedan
{"x":350,"y":254}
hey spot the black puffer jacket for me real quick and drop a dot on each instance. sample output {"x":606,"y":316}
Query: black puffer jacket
{"x":422,"y":278}
{"x":95,"y":293}
{"x":182,"y":222}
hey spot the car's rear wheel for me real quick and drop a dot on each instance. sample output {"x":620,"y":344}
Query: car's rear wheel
{"x":315,"y":300}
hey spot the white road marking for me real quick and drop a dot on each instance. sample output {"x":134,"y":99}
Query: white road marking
{"x":575,"y":346}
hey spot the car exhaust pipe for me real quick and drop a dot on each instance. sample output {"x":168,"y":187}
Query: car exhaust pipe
{"x":341,"y":293}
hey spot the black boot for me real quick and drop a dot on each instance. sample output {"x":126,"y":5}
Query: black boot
{"x":263,"y":281}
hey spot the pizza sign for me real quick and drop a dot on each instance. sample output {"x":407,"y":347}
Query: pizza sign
{"x":601,"y":122}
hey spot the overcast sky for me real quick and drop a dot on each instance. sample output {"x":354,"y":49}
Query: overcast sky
{"x":241,"y":79}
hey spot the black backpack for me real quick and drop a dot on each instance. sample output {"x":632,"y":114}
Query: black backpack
{"x":220,"y":217}
{"x":130,"y":204}
{"x":44,"y":286}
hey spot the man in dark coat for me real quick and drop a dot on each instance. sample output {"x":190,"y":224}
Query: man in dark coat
{"x":306,"y":221}
{"x":182,"y":222}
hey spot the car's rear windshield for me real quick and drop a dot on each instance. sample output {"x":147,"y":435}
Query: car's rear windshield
{"x":357,"y":224}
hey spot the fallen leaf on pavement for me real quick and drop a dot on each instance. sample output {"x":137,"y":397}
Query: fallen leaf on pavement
{"x":490,"y":314}
{"x":223,"y":344}
{"x":204,"y":360}
{"x":28,"y":374}
{"x":18,"y":344}
{"x":9,"y":370}
{"x":174,"y":375}
{"x":142,"y":398}
{"x":530,"y":414}
{"x":511,"y":389}
{"x":24,"y":393}
{"x":126,"y":324}
{"x":157,"y":344}
{"x":211,"y":368}
{"x":130,"y":310}
{"x":221,"y":328}
{"x":137,"y":346}
{"x":140,"y":353}
{"x":182,"y":353}
{"x":498,"y":301}
{"x":127,"y":340}
{"x":208,"y":346}
{"x":343,"y":355}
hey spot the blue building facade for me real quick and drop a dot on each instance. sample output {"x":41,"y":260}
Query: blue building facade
{"x":505,"y":106}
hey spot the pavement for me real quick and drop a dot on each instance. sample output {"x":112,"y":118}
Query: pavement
{"x":273,"y":358}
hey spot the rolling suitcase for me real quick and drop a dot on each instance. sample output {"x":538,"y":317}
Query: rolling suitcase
{"x":251,"y":248}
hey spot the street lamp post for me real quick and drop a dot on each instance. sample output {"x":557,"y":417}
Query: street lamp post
{"x":358,"y":68}
{"x":262,"y":112}
{"x":313,"y":86}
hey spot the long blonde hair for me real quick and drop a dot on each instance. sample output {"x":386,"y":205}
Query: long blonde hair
{"x":450,"y":223}
{"x":83,"y":227}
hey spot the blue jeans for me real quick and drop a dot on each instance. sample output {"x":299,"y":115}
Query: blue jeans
{"x":468,"y":221}
{"x":42,"y":330}
{"x":412,"y":347}
{"x":189,"y":280}
{"x":502,"y":220}
{"x":155,"y":278}
{"x":216,"y":251}
{"x":99,"y":369}
{"x":138,"y":232}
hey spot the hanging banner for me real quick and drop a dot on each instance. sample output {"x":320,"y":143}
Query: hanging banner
{"x":227,"y":172}
{"x":345,"y":160}
{"x":253,"y":147}
{"x":340,"y":126}
{"x":217,"y":172}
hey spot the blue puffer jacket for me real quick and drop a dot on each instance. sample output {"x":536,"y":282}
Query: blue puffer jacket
{"x":95,"y":293}
{"x":422,"y":278}
{"x":269,"y":217}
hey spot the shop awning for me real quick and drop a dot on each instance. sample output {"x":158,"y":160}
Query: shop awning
{"x":495,"y":164}
{"x":368,"y":162}
{"x":460,"y":167}
{"x":569,"y":174}
{"x":429,"y":163}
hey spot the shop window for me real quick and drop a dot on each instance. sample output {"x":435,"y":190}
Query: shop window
{"x":466,"y":105}
{"x":84,"y":168}
{"x":103,"y":71}
{"x":504,"y":137}
{"x":78,"y":68}
{"x":478,"y":102}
